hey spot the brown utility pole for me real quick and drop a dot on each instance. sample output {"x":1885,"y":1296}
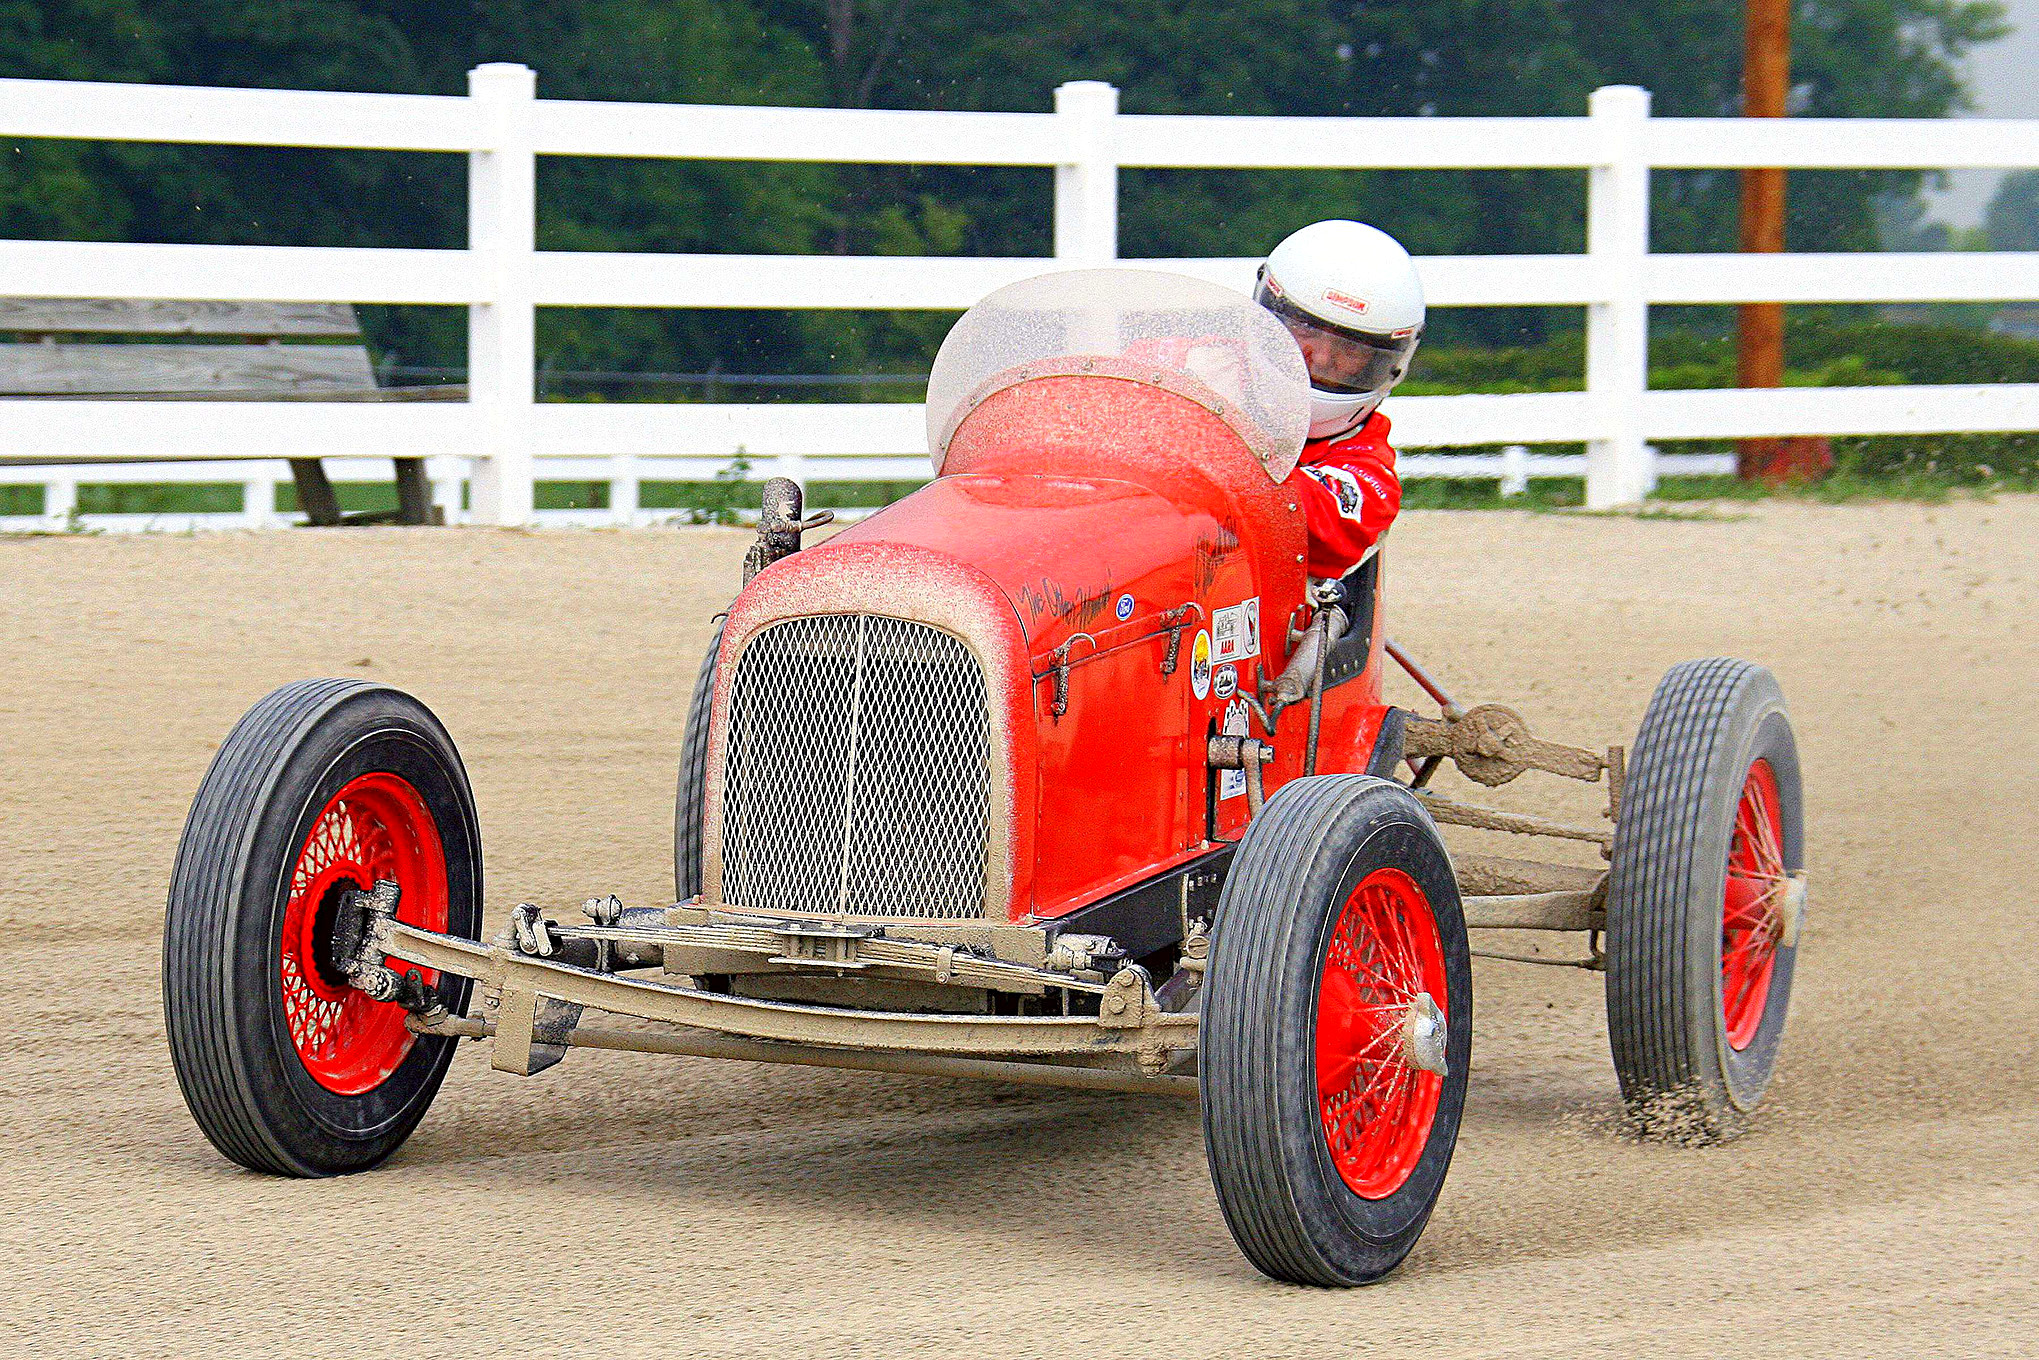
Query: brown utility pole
{"x":1766,"y":83}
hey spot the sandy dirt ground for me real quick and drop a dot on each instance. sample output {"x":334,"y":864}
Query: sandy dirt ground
{"x":1886,"y":1204}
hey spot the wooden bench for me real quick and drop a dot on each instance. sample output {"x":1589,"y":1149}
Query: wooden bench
{"x":253,"y":364}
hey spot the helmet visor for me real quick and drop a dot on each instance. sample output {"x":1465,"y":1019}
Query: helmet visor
{"x":1343,"y":359}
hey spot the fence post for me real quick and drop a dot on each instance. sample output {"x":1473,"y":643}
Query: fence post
{"x":1087,"y":183}
{"x":1515,"y":470}
{"x":501,"y":227}
{"x":1619,"y":466}
{"x":623,"y":489}
{"x":59,"y":499}
{"x":446,"y":473}
{"x":791,"y":464}
{"x":258,"y":498}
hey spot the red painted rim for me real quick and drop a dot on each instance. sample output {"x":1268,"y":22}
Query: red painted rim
{"x":1376,"y":1109}
{"x":1752,"y":908}
{"x":376,"y":827}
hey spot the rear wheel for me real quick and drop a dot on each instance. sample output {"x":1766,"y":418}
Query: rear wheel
{"x":1703,"y":902}
{"x":1337,"y":1031}
{"x":691,"y":799}
{"x":325,"y":786}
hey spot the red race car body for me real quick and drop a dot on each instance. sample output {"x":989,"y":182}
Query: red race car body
{"x":1123,"y":564}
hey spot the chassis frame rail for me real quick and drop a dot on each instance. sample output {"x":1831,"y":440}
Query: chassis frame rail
{"x":707,"y":1044}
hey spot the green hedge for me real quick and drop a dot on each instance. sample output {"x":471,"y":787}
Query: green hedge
{"x":1822,"y":353}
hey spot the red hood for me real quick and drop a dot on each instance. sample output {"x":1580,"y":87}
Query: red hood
{"x":1072,"y":554}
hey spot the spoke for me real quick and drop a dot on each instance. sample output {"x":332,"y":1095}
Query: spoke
{"x":1748,"y":981}
{"x":1348,"y":994}
{"x":1389,"y":1106}
{"x":1405,"y":945}
{"x":1358,"y":1058}
{"x":1769,"y":851}
{"x":1385,"y":930}
{"x":1743,"y":853}
{"x":1381,"y":978}
{"x":1360,"y":1055}
{"x":1345,"y":1066}
{"x":1339,"y":991}
{"x":1389,"y":1069}
{"x":1746,"y":906}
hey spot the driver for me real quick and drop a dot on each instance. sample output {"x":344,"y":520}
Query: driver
{"x":1349,"y":294}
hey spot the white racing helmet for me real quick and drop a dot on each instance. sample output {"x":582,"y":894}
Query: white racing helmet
{"x":1350,"y":296}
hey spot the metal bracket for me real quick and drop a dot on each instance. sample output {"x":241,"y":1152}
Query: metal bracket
{"x":829,"y":946}
{"x":604,"y":911}
{"x":1491,"y":744}
{"x":1128,"y":1000}
{"x":781,"y":522}
{"x":355,"y":928}
{"x":1059,"y":704}
{"x":1174,"y":621}
{"x":532,"y":931}
{"x":533,"y":1032}
{"x":1241,"y":753}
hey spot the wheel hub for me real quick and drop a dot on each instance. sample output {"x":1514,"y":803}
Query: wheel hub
{"x":1423,"y":1036}
{"x":327,"y":973}
{"x":376,"y":827}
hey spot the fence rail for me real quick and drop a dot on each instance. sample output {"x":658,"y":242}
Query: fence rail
{"x":508,"y":441}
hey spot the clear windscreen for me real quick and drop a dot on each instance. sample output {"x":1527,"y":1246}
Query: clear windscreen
{"x":1210,"y":344}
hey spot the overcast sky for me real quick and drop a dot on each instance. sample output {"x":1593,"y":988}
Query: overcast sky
{"x":2005,"y":78}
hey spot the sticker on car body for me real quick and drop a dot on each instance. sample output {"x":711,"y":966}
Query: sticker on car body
{"x":1200,"y":665}
{"x":1232,"y":783}
{"x":1225,"y":681}
{"x":1235,"y":632}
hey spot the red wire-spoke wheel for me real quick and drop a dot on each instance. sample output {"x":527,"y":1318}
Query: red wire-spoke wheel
{"x":1383,"y":970}
{"x":1752,"y":906}
{"x":1336,"y":1030}
{"x":325,"y":787}
{"x":377,"y":827}
{"x":1705,"y":900}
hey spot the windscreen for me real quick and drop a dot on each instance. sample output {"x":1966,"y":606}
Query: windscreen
{"x":1203,"y":341}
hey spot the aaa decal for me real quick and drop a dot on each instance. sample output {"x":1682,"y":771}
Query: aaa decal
{"x":1235,"y":632}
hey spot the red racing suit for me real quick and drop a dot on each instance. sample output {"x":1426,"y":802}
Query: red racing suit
{"x":1349,"y":493}
{"x":1346,"y":485}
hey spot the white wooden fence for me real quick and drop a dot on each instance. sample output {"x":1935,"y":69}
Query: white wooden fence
{"x":509,"y":440}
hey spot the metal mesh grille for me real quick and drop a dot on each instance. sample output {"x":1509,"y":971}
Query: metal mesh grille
{"x":857,"y":774}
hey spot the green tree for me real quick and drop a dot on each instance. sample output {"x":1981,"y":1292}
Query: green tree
{"x":2012,"y":222}
{"x":1896,"y":58}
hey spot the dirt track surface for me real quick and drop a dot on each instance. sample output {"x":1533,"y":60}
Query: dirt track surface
{"x":1887,"y":1202}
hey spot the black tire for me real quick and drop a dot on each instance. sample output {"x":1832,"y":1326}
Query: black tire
{"x":1708,"y":723}
{"x":1289,"y":1208}
{"x":690,"y":802}
{"x":223,"y":936}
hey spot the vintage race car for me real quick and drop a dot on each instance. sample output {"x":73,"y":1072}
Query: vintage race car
{"x":1058,"y":771}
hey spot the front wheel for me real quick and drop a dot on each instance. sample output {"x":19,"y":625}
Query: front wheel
{"x":690,"y":799}
{"x":1337,"y":1031}
{"x":323,"y":787}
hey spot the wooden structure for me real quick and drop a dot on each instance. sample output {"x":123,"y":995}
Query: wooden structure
{"x":253,"y":351}
{"x":1766,"y":90}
